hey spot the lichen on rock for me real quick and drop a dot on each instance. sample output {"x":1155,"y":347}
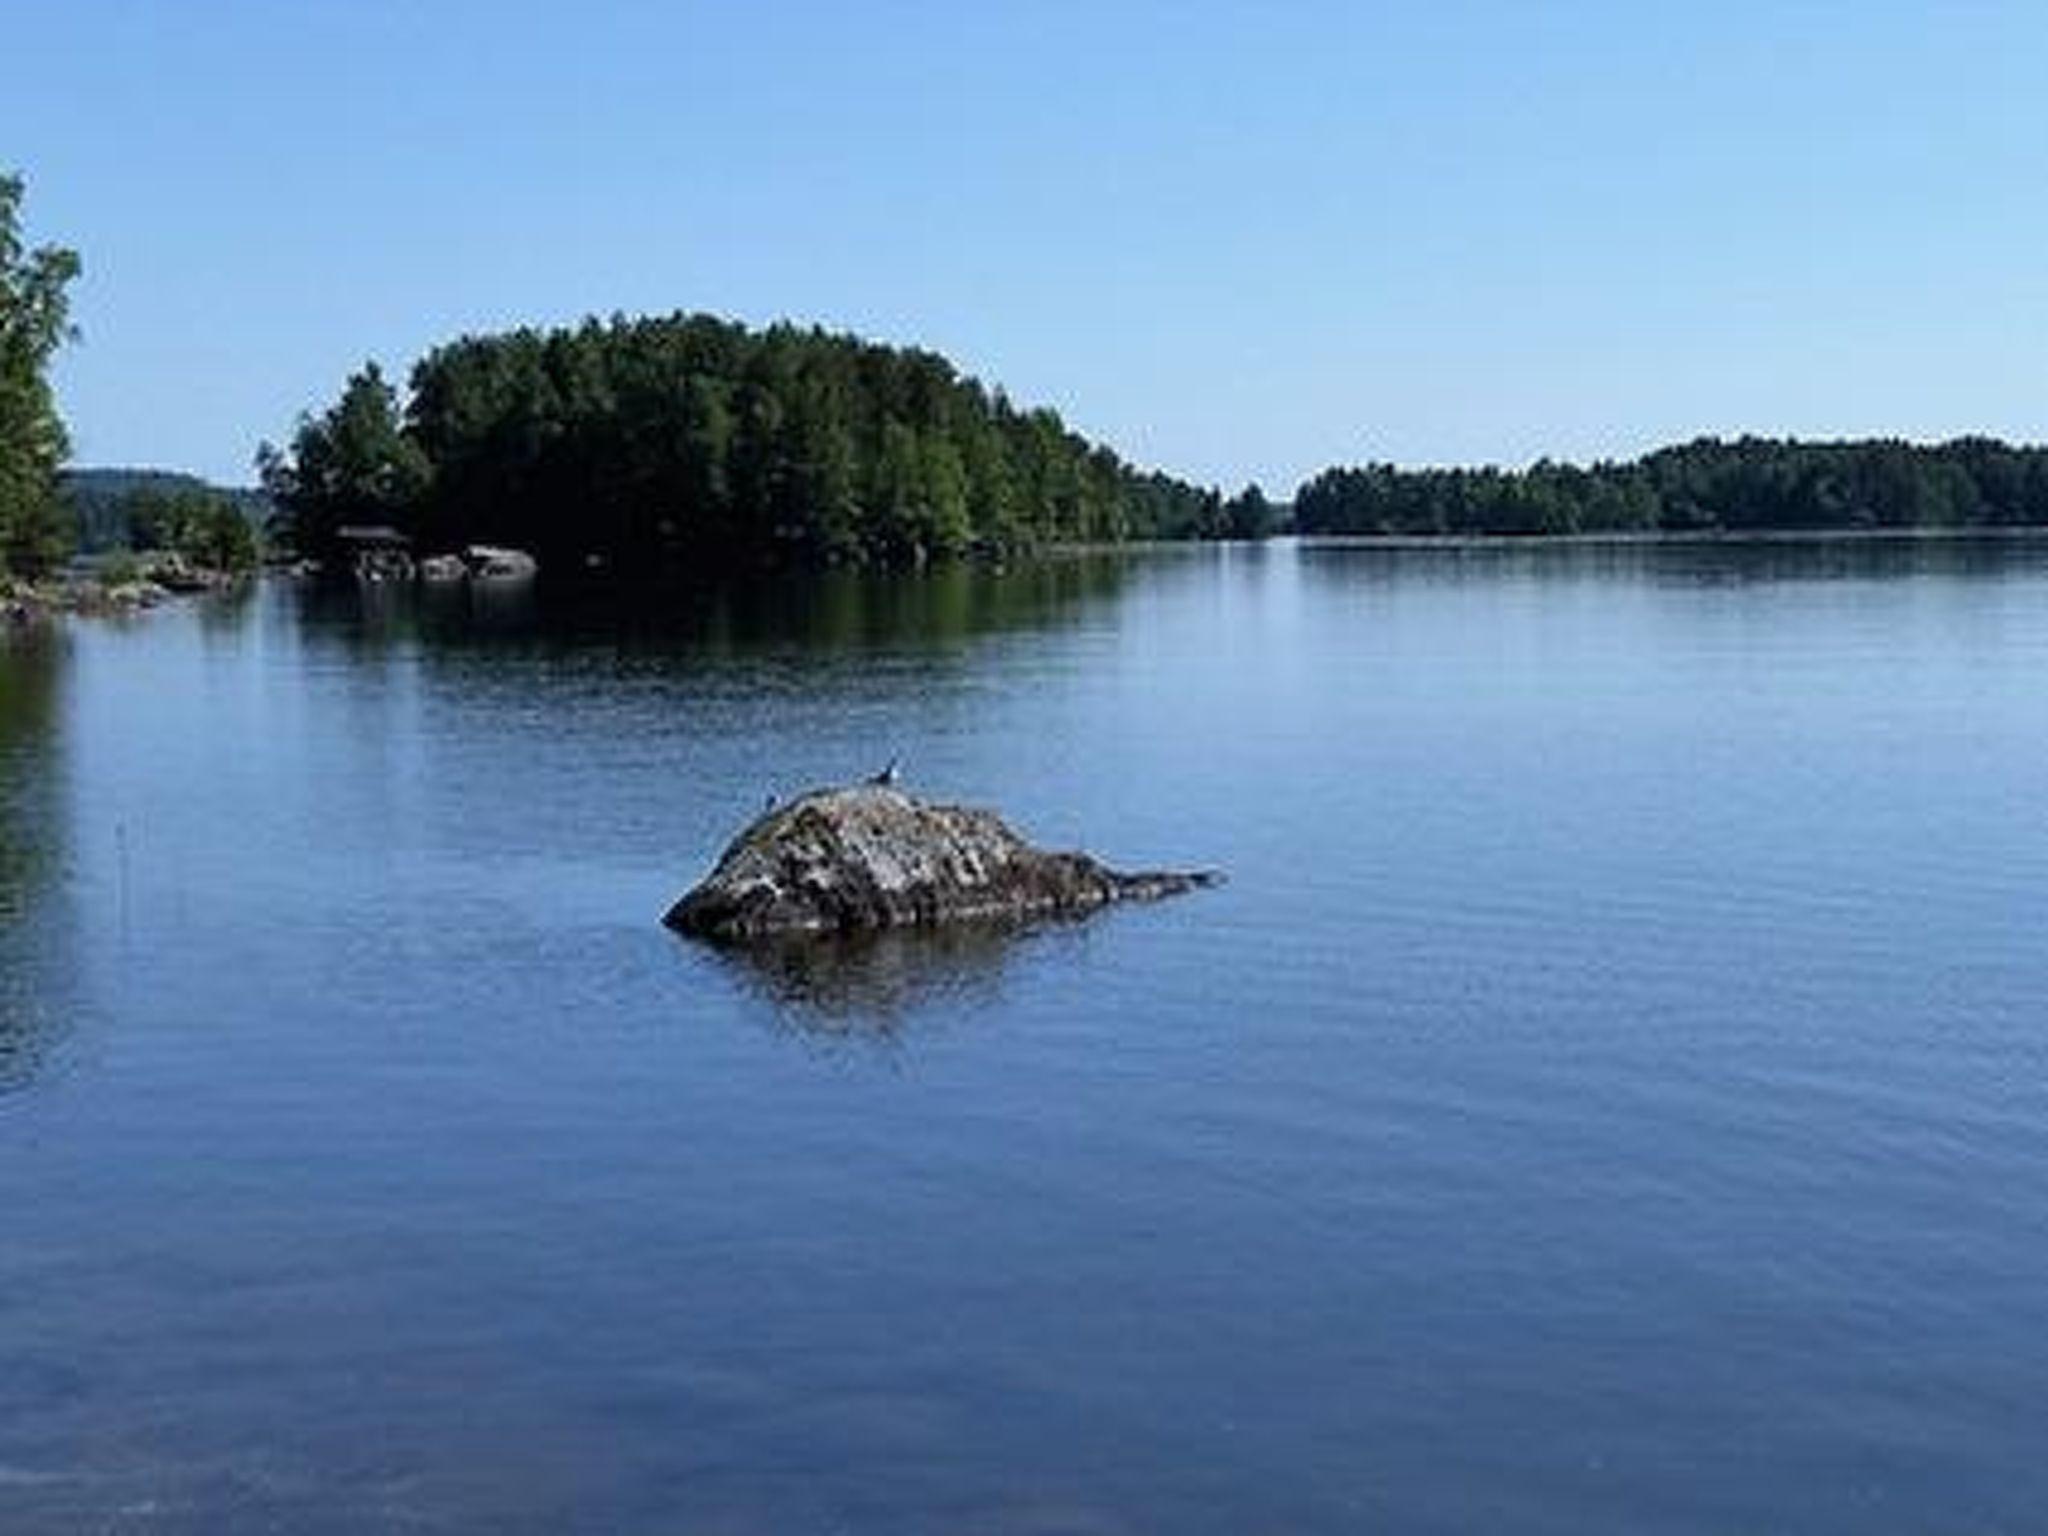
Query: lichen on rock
{"x":870,"y":856}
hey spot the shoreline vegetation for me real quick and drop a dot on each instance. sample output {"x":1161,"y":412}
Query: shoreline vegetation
{"x":1709,"y":487}
{"x":686,"y":446}
{"x":143,"y":538}
{"x":688,"y":443}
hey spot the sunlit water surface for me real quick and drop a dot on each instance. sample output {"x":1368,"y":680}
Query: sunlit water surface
{"x":1609,"y":1095}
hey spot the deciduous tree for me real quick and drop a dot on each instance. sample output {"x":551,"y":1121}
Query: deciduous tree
{"x":34,"y":322}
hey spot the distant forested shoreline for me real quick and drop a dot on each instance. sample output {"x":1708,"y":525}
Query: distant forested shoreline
{"x":692,"y":442}
{"x":1750,"y":484}
{"x":689,"y":441}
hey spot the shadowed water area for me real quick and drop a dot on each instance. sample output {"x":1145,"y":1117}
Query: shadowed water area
{"x":1608,"y":1096}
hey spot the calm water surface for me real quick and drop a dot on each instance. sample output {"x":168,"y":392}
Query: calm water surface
{"x":1608,"y":1097}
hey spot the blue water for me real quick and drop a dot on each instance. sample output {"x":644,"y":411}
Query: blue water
{"x":1608,"y":1096}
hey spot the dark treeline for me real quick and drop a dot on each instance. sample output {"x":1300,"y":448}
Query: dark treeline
{"x":1751,"y":484}
{"x":694,"y":442}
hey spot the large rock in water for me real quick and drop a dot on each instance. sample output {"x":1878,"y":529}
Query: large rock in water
{"x":870,"y":856}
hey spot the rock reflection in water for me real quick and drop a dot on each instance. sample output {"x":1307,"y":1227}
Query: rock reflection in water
{"x":869,"y":986}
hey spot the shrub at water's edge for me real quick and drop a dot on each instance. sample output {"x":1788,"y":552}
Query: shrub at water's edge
{"x":694,"y":442}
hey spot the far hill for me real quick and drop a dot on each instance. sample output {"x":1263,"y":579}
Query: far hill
{"x":103,"y":500}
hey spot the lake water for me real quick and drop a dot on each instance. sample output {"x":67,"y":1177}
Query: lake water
{"x":1610,"y":1095}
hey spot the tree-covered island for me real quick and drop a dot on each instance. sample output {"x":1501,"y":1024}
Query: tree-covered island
{"x":693,"y":443}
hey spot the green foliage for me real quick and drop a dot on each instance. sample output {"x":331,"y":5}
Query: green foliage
{"x":1706,"y":485}
{"x":201,"y":526}
{"x":351,"y":465}
{"x":102,"y":501}
{"x":1248,"y":515}
{"x":689,"y":441}
{"x":34,"y":322}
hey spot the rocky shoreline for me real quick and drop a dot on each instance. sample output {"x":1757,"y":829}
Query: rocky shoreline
{"x":27,"y":603}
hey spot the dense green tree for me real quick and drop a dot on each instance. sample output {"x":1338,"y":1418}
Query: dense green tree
{"x":34,"y":321}
{"x":351,"y":465}
{"x":949,"y":527}
{"x":103,"y":503}
{"x":897,"y":493}
{"x":1703,"y":486}
{"x":822,"y":488}
{"x":689,"y":441}
{"x":1248,"y":515}
{"x":993,"y":506}
{"x":197,"y":523}
{"x":704,"y":471}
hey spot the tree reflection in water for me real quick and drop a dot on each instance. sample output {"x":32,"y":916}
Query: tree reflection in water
{"x":31,"y":669}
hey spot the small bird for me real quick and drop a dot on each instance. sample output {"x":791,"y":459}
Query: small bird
{"x":771,"y":801}
{"x":889,"y":775}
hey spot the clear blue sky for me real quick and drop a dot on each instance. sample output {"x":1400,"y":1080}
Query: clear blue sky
{"x":1233,"y":240}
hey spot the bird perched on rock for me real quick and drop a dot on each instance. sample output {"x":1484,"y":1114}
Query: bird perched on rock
{"x":889,"y":775}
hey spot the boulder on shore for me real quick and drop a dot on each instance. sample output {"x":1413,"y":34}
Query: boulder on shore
{"x":869,"y":856}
